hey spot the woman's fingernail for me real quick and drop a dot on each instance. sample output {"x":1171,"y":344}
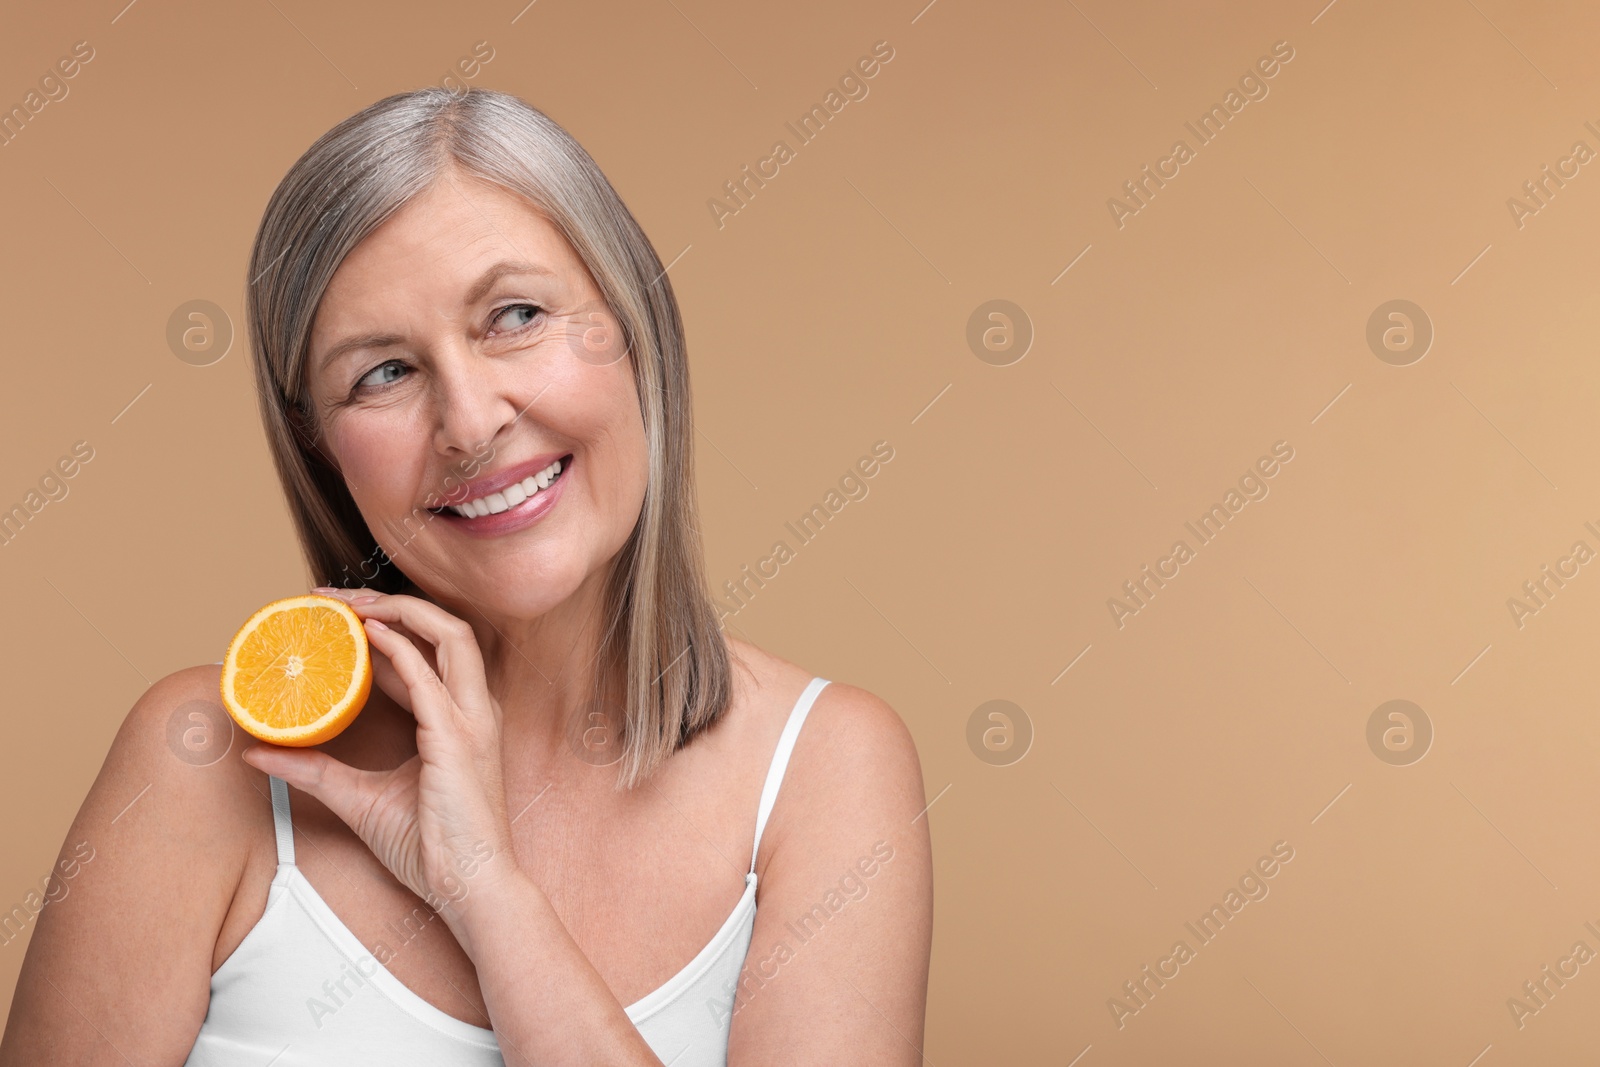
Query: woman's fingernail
{"x":375,"y":624}
{"x":363,"y":600}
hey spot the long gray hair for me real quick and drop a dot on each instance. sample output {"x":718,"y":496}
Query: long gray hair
{"x":662,"y":633}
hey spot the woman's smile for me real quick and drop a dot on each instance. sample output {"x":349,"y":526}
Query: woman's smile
{"x":509,"y":500}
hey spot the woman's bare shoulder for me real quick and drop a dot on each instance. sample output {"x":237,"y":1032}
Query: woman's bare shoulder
{"x":178,"y":738}
{"x":173,"y":785}
{"x":857,"y":749}
{"x":846,"y":849}
{"x":855,"y":754}
{"x":162,"y":835}
{"x":845,"y":712}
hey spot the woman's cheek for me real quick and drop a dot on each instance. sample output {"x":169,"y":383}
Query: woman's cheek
{"x":371,"y":451}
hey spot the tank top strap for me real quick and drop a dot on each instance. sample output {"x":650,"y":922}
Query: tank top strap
{"x":780,"y":759}
{"x":281,"y":823}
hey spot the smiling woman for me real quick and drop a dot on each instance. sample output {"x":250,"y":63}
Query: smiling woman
{"x":347,"y":370}
{"x":472,"y":373}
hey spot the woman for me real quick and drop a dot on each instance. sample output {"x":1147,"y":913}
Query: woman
{"x":529,"y":847}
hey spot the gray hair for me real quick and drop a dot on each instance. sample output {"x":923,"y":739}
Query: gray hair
{"x":662,"y":633}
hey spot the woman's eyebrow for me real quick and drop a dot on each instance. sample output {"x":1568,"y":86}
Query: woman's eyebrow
{"x":481,"y":287}
{"x":375,"y":340}
{"x":479,"y":290}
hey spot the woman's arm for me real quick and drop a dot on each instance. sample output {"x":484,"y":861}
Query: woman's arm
{"x":837,"y":970}
{"x":118,"y":969}
{"x":548,"y":1003}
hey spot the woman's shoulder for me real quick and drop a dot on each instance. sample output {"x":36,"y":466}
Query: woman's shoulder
{"x":854,"y":758}
{"x":168,"y":811}
{"x":174,"y":790}
{"x":206,"y":812}
{"x":181,"y":716}
{"x":178,"y":751}
{"x":846,"y":847}
{"x":846,"y":715}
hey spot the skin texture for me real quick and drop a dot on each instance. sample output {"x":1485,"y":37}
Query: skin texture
{"x":591,"y":897}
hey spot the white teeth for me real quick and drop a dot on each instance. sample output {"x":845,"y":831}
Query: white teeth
{"x":509,"y":497}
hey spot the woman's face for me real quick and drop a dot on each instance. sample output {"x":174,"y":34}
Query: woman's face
{"x":462,"y":347}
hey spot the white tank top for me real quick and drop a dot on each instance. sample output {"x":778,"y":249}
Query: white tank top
{"x":302,"y":991}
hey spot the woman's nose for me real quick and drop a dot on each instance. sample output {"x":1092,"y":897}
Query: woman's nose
{"x":476,"y":398}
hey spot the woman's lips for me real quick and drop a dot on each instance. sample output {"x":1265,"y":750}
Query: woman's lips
{"x":518,"y":516}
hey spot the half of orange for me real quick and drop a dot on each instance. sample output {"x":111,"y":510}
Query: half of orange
{"x":298,"y":671}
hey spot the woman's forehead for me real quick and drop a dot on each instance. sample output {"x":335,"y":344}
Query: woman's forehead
{"x":450,"y":234}
{"x":444,"y":251}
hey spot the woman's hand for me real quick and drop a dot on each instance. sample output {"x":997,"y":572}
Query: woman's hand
{"x":438,"y":821}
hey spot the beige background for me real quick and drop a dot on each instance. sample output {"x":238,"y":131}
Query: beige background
{"x":830,"y":313}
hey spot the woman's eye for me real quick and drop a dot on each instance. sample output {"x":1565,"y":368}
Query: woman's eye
{"x":516,"y":316}
{"x":381,"y":369}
